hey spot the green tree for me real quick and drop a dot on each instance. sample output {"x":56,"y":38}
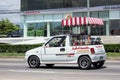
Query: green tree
{"x":6,"y":26}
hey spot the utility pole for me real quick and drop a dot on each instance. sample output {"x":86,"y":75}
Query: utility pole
{"x":88,"y":13}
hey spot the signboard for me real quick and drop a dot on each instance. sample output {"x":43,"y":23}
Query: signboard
{"x":69,"y":10}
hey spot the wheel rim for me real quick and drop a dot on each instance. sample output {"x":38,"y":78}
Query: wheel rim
{"x":33,"y":62}
{"x":84,"y":63}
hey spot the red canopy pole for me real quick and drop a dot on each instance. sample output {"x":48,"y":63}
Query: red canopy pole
{"x":62,"y":26}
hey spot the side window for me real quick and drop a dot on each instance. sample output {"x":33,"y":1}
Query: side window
{"x":57,"y":42}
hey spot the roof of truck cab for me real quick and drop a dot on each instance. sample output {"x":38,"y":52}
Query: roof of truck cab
{"x":61,"y":35}
{"x":66,"y":35}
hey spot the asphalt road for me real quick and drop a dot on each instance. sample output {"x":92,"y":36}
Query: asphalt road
{"x":17,"y":69}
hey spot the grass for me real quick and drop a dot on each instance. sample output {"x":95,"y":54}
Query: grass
{"x":12,"y":55}
{"x":110,"y":55}
{"x":113,"y":55}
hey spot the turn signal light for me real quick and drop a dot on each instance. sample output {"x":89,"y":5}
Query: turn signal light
{"x":92,"y":50}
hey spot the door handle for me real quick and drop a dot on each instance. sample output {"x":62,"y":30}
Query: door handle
{"x":62,"y":49}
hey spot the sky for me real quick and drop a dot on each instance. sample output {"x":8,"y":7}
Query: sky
{"x":10,"y":5}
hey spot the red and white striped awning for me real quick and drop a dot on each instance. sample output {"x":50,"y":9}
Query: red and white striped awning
{"x":79,"y":21}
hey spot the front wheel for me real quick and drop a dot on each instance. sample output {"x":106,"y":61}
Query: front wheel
{"x":98,"y":64}
{"x":84,"y":62}
{"x":34,"y":62}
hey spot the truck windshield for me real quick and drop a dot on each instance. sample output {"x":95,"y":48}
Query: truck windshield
{"x":84,"y":40}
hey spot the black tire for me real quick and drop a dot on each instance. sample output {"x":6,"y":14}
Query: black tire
{"x":84,"y":62}
{"x":49,"y":65}
{"x":98,"y":64}
{"x":34,"y":62}
{"x":9,"y":35}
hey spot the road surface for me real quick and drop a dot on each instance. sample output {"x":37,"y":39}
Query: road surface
{"x":17,"y":69}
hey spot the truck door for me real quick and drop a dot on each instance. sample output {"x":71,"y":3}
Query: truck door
{"x":55,"y":50}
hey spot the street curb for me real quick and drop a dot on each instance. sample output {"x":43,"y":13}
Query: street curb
{"x":113,"y":60}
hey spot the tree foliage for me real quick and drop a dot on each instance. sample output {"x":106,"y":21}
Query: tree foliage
{"x":6,"y":26}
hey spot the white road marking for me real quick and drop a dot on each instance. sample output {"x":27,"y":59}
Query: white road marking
{"x":55,"y":72}
{"x":27,"y":71}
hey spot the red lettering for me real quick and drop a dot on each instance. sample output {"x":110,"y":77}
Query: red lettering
{"x":98,"y":46}
{"x":75,"y":48}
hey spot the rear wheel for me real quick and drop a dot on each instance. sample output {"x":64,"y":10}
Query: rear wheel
{"x":34,"y":62}
{"x":84,"y":62}
{"x":10,"y":35}
{"x":98,"y":64}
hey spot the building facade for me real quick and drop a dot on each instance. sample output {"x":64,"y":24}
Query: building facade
{"x":43,"y":17}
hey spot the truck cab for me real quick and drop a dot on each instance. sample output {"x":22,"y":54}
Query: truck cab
{"x":64,"y":49}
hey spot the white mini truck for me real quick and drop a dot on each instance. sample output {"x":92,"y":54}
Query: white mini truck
{"x":61,"y":50}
